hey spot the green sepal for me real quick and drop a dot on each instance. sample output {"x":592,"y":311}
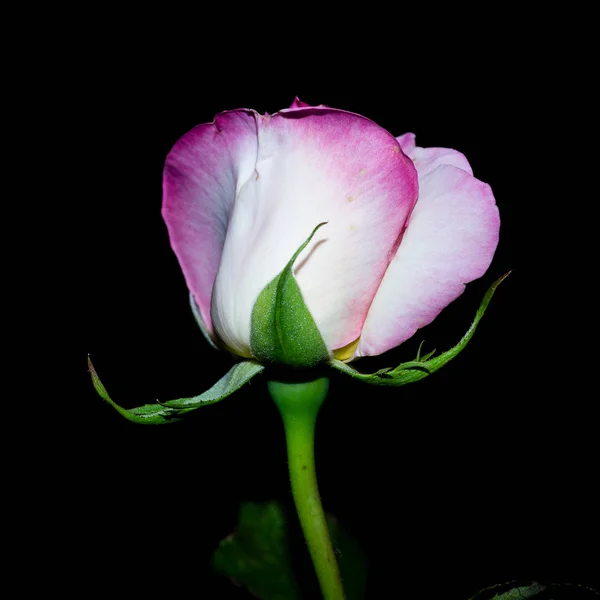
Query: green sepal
{"x":422,"y":366}
{"x":173,"y":410}
{"x":258,"y":556}
{"x":282,"y":329}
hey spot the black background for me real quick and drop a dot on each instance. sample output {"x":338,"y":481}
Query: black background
{"x":480,"y":474}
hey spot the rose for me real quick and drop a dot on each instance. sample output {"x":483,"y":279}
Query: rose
{"x":311,"y":235}
{"x":314,"y":235}
{"x":406,"y":227}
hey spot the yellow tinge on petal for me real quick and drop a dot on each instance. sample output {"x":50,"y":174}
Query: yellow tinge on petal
{"x":345,"y":352}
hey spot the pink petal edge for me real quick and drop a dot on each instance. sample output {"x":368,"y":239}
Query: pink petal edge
{"x":297,"y":103}
{"x":202,"y":174}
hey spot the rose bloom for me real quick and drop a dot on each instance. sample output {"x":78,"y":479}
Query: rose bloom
{"x":406,"y":227}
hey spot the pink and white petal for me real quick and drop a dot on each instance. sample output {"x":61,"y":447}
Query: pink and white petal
{"x":202,"y":175}
{"x":315,"y":164}
{"x":450,"y":240}
{"x":428,"y":159}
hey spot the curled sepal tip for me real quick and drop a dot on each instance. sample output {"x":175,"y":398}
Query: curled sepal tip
{"x":173,"y":410}
{"x":422,"y":366}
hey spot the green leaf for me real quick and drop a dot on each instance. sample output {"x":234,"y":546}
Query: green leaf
{"x":513,"y":593}
{"x":351,"y":560}
{"x":514,"y":590}
{"x":173,"y":410}
{"x":282,"y":329}
{"x":421,"y":367}
{"x":257,"y":555}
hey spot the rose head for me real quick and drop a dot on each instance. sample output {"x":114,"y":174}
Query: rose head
{"x":313,"y":235}
{"x":405,"y":228}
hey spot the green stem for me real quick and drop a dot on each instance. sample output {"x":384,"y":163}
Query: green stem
{"x":299,"y":404}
